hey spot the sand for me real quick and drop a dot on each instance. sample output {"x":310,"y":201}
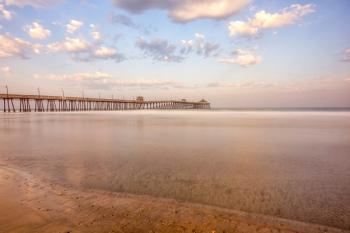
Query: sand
{"x":31,"y":204}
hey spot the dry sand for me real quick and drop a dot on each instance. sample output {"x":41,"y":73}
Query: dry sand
{"x":29,"y":204}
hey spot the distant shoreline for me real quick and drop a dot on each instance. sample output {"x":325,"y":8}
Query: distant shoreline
{"x":302,"y":109}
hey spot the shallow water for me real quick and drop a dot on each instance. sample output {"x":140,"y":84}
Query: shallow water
{"x":294,"y":165}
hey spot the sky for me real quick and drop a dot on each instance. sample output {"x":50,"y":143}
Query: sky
{"x":233,"y":53}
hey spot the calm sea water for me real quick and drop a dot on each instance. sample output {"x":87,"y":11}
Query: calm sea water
{"x":291,"y":164}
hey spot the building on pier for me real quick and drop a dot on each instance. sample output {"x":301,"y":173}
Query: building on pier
{"x":140,"y":98}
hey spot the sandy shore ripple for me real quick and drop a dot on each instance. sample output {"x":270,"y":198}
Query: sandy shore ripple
{"x":28,"y":204}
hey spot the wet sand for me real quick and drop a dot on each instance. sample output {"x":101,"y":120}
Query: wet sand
{"x":29,"y":204}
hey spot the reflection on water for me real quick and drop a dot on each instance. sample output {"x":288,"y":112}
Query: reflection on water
{"x":289,"y":164}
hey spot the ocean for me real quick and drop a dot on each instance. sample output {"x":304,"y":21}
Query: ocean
{"x":293,"y":164}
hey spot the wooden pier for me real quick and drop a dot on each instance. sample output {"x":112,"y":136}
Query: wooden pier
{"x":45,"y":103}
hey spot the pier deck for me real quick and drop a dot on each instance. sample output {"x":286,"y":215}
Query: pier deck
{"x":46,"y":103}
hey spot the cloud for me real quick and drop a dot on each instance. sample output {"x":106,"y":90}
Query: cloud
{"x":73,"y":25}
{"x":16,"y":47}
{"x":100,"y":53}
{"x":75,"y":77}
{"x":246,"y":85}
{"x":6,"y":70}
{"x":191,"y":10}
{"x":95,"y":33}
{"x":346,"y":55}
{"x":34,"y":3}
{"x":37,"y":31}
{"x":124,"y":20}
{"x":199,"y":46}
{"x":82,"y":50}
{"x":73,"y":45}
{"x":105,"y":80}
{"x":159,"y":50}
{"x":5,"y":14}
{"x":314,"y":84}
{"x":185,"y":10}
{"x":163,"y":50}
{"x":105,"y":52}
{"x":243,"y":58}
{"x":264,"y":20}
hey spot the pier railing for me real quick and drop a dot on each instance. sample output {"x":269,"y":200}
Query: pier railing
{"x":46,"y":103}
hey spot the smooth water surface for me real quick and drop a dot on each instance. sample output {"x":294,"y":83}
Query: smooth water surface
{"x":294,"y":165}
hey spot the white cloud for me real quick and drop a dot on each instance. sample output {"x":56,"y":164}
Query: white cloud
{"x":346,"y":55}
{"x":37,"y":31}
{"x":243,"y":58}
{"x":95,"y":33}
{"x":184,"y":10}
{"x":105,"y":80}
{"x":75,"y":77}
{"x":245,"y":85}
{"x":16,"y":47}
{"x":311,"y":84}
{"x":4,"y":13}
{"x":74,"y":45}
{"x":82,"y":50}
{"x":190,"y":10}
{"x":242,"y":28}
{"x":6,"y":70}
{"x":34,"y":3}
{"x":264,"y":20}
{"x":105,"y":52}
{"x":73,"y":25}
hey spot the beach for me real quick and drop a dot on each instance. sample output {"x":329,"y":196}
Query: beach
{"x":30,"y":205}
{"x":175,"y":171}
